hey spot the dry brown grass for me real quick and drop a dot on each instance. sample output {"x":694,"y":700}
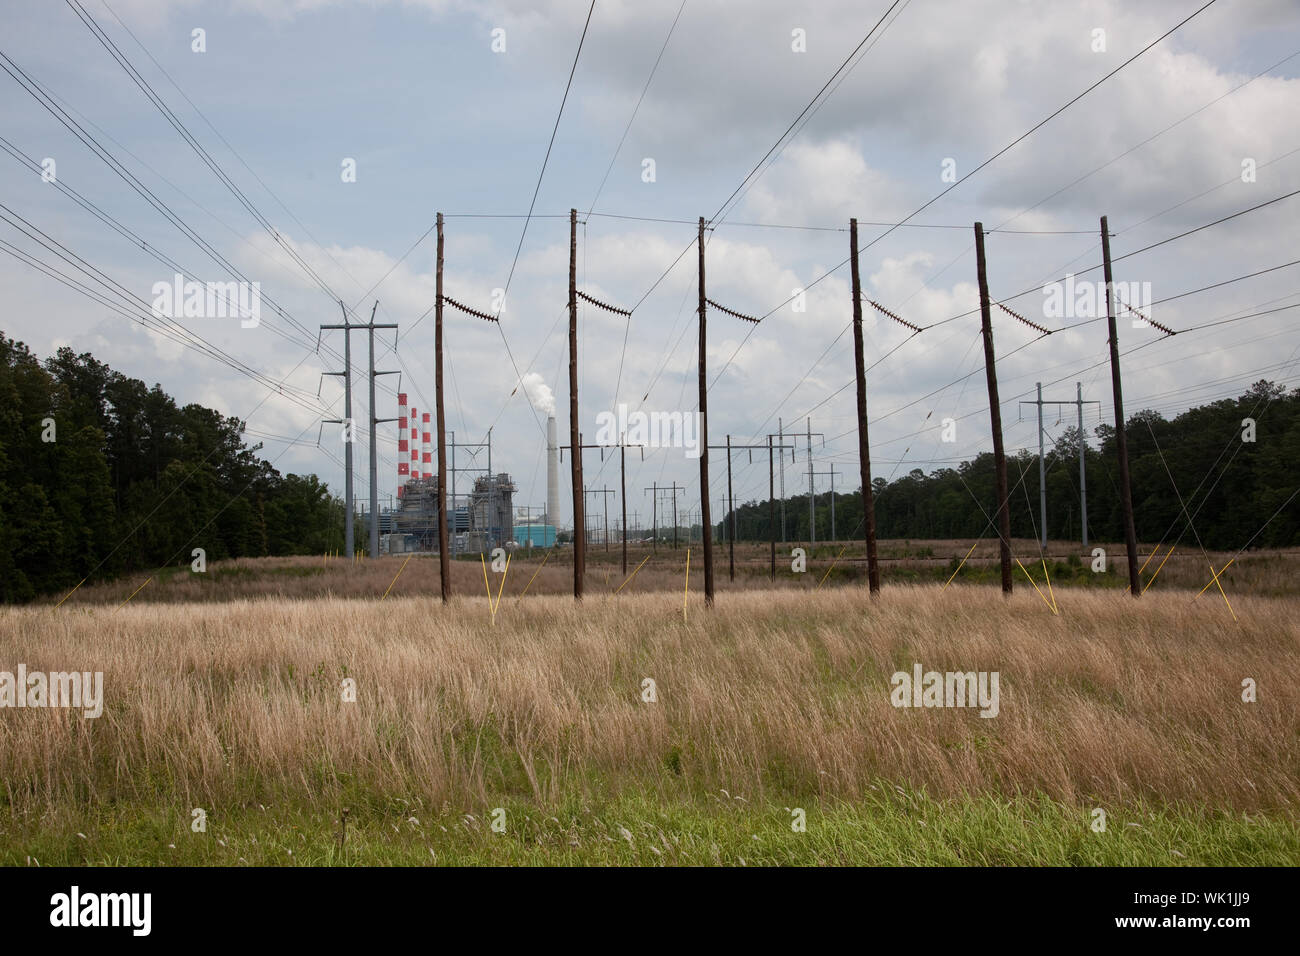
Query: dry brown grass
{"x":1264,"y":573}
{"x":773,"y":693}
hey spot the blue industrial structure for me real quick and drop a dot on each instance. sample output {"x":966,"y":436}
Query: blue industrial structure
{"x":535,"y":535}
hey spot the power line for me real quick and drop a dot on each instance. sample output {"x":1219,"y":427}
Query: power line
{"x":228,"y":146}
{"x":152,"y":95}
{"x":645,"y":89}
{"x":547,"y":158}
{"x":134,"y":238}
{"x":860,"y":56}
{"x":146,"y":316}
{"x":973,"y":172}
{"x":810,"y":105}
{"x":43,"y":98}
{"x":1128,"y":255}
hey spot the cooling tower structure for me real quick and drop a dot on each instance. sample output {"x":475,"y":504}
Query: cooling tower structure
{"x":552,"y":473}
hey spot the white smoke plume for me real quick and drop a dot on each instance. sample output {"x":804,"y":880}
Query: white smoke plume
{"x":539,"y":393}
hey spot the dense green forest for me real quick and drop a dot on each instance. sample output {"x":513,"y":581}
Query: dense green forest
{"x":126,"y":481}
{"x":1230,"y":486}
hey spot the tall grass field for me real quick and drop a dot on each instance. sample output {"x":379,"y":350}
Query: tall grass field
{"x":643,"y":728}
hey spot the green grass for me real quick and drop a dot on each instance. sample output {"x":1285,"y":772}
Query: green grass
{"x":891,"y":828}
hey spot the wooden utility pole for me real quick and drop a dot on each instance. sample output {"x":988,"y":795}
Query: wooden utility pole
{"x":864,"y":448}
{"x":444,"y":553}
{"x":579,"y":522}
{"x":705,"y":519}
{"x":995,"y":414}
{"x":1121,"y":438}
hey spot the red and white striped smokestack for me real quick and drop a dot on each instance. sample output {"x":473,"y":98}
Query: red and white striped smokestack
{"x":403,"y":466}
{"x":425,"y":445}
{"x":415,"y":442}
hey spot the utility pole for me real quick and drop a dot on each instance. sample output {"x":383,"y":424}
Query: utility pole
{"x":812,"y":491}
{"x":622,"y":496}
{"x":454,"y":472}
{"x":1121,"y":438}
{"x":579,"y":522}
{"x":492,"y":493}
{"x":374,"y":451}
{"x":771,"y":506}
{"x":349,"y":432}
{"x":654,"y":517}
{"x":575,"y":437}
{"x":706,"y":526}
{"x":659,"y":489}
{"x":373,"y":523}
{"x":780,"y":440}
{"x":675,"y":515}
{"x":444,"y":556}
{"x":731,"y":510}
{"x":832,"y":474}
{"x":622,"y":447}
{"x":475,"y":449}
{"x":995,"y":414}
{"x":606,"y":492}
{"x":443,"y":516}
{"x":1042,"y":472}
{"x":1083,"y":469}
{"x":833,"y":535}
{"x":729,"y":447}
{"x":374,"y":448}
{"x":779,"y":451}
{"x":864,"y":447}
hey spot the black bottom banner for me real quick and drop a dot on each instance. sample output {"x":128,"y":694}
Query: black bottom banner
{"x":214,"y":906}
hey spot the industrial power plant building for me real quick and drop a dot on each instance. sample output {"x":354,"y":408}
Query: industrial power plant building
{"x":481,"y":522}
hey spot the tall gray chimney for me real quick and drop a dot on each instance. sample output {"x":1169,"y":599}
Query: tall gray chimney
{"x":552,"y":474}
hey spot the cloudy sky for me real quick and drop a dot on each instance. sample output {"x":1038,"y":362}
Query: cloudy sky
{"x":286,"y":95}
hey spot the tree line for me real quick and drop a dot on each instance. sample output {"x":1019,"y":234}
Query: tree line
{"x":102,"y":476}
{"x":1231,"y":475}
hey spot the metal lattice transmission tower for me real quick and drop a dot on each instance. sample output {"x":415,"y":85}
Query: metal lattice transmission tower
{"x":1042,"y":468}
